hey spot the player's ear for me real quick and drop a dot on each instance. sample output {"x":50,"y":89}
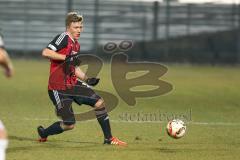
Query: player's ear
{"x":68,"y":26}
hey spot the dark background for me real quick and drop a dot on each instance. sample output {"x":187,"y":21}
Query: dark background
{"x":161,"y":31}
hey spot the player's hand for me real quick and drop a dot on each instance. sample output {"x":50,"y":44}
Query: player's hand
{"x":92,"y":81}
{"x":9,"y":71}
{"x":73,"y":59}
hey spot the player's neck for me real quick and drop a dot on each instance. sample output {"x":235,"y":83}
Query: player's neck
{"x":70,"y":36}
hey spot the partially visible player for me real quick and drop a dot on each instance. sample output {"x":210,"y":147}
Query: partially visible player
{"x":66,"y":78}
{"x":3,"y":141}
{"x":5,"y":61}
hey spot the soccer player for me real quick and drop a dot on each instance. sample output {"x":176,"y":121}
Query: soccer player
{"x":3,"y":141}
{"x":5,"y":61}
{"x":68,"y":83}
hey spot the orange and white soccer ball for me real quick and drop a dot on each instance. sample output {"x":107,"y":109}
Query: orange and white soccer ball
{"x":176,"y":128}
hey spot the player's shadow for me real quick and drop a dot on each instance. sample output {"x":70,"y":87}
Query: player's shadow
{"x":18,"y":138}
{"x":52,"y":143}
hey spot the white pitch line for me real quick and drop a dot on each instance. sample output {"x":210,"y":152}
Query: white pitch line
{"x":191,"y":122}
{"x":121,"y":121}
{"x":215,"y":123}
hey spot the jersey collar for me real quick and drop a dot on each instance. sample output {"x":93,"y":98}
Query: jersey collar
{"x":70,"y":36}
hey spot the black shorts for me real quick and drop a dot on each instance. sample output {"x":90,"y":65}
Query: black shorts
{"x":62,"y":100}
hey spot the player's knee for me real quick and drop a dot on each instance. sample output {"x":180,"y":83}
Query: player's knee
{"x":3,"y":134}
{"x":68,"y":127}
{"x":3,"y":143}
{"x":99,"y":104}
{"x":68,"y":124}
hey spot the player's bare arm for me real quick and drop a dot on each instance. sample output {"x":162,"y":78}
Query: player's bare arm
{"x":48,"y":53}
{"x":80,"y":74}
{"x":6,"y":62}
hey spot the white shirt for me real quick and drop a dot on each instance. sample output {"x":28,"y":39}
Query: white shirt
{"x":1,"y":41}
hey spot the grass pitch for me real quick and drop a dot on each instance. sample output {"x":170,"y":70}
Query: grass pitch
{"x":207,"y":96}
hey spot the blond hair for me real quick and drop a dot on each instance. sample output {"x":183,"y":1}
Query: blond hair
{"x":73,"y":17}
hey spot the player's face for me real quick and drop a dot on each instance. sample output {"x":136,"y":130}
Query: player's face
{"x":75,"y":29}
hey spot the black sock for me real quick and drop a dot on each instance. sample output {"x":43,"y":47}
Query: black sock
{"x":55,"y":128}
{"x":103,"y":120}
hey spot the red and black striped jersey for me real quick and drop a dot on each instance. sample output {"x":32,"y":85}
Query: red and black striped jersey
{"x":62,"y":44}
